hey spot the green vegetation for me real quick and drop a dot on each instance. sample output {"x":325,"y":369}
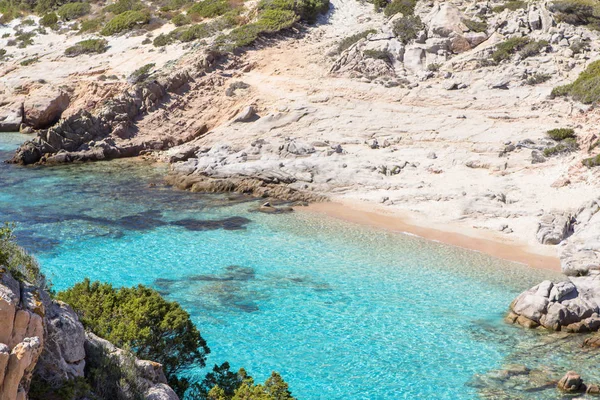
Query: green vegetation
{"x":181,"y":20}
{"x":90,"y":46}
{"x":586,"y":87}
{"x":91,"y":25}
{"x":407,"y":28}
{"x":377,"y":54}
{"x":29,"y":61}
{"x":533,"y":48}
{"x":140,"y":319}
{"x":506,"y":49}
{"x":433,"y":67}
{"x":537,"y":78}
{"x":16,"y":260}
{"x":405,"y":7}
{"x":592,"y":161}
{"x":122,"y":6}
{"x":510,"y":5}
{"x":71,"y":11}
{"x":564,"y":146}
{"x":566,"y":138}
{"x":141,"y":73}
{"x":49,"y":20}
{"x":559,"y":134}
{"x":577,"y":12}
{"x":209,"y":9}
{"x":125,"y":22}
{"x":275,"y":20}
{"x":579,"y":46}
{"x":475,"y":26}
{"x":222,"y":384}
{"x":350,"y":40}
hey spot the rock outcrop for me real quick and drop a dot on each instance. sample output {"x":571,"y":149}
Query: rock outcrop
{"x":46,"y":108}
{"x":574,"y":304}
{"x":44,"y":338}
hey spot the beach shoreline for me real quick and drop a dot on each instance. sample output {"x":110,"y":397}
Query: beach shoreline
{"x":394,"y":220}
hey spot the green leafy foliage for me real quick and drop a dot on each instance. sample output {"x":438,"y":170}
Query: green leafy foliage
{"x":506,"y":49}
{"x":577,"y":12}
{"x":533,"y":48}
{"x":29,"y":61}
{"x":222,"y":384}
{"x":350,"y":40}
{"x":49,"y":20}
{"x":209,"y":8}
{"x":538,"y":78}
{"x":592,"y":161}
{"x":125,"y":22}
{"x":71,"y":11}
{"x":140,"y":319}
{"x":510,"y":5}
{"x":122,"y":6}
{"x":77,"y":388}
{"x":474,"y":25}
{"x":90,"y":46}
{"x":586,"y":87}
{"x":91,"y":25}
{"x":275,"y":20}
{"x":559,"y":134}
{"x":407,"y":28}
{"x":16,"y":260}
{"x":180,"y":20}
{"x":377,"y":54}
{"x":405,"y":7}
{"x":565,"y":146}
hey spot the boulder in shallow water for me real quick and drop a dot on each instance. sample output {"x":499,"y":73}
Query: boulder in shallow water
{"x":571,"y":383}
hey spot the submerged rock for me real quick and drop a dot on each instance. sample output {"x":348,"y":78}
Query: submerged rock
{"x":571,"y":383}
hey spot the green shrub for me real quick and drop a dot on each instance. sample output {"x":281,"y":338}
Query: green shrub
{"x":71,"y":11}
{"x":406,"y":7}
{"x":9,"y":12}
{"x":239,"y":37}
{"x":533,"y":48}
{"x":125,"y":22}
{"x":592,"y":161}
{"x":510,"y":5}
{"x":377,"y":54}
{"x":140,"y":319}
{"x":433,"y":67}
{"x":50,"y":20}
{"x":91,"y":25}
{"x":538,"y":78}
{"x":162,"y":40}
{"x":275,"y":20}
{"x":141,"y":73}
{"x":27,"y":22}
{"x":586,"y":87}
{"x":309,"y":10}
{"x":506,"y":49}
{"x":561,"y":134}
{"x":209,"y":8}
{"x":194,"y":32}
{"x":565,"y":146}
{"x":180,"y":20}
{"x":90,"y":46}
{"x":475,"y":26}
{"x":350,"y":40}
{"x":16,"y":260}
{"x":29,"y":61}
{"x":407,"y":28}
{"x":122,"y":6}
{"x":579,"y":46}
{"x":577,"y":12}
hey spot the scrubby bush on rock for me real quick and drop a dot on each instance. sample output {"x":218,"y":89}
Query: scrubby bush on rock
{"x":49,"y":20}
{"x":407,"y":28}
{"x":209,"y":8}
{"x":577,"y":12}
{"x":533,"y":48}
{"x":350,"y":40}
{"x":586,"y":87}
{"x":561,"y":134}
{"x":91,"y":25}
{"x":510,"y":5}
{"x":122,"y":6}
{"x":404,"y":7}
{"x":125,"y":22}
{"x":71,"y":11}
{"x":90,"y":46}
{"x":538,"y":78}
{"x":506,"y":49}
{"x":474,"y":25}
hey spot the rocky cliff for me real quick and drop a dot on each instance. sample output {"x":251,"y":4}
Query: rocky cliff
{"x":42,"y":340}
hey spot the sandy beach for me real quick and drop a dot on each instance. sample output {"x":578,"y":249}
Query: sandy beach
{"x":543,"y":257}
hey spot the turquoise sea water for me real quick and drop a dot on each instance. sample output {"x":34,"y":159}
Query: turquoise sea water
{"x":341,"y":311}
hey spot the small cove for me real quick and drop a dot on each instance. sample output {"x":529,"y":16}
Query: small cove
{"x":341,"y":311}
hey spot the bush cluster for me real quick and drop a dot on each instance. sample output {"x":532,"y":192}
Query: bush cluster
{"x":71,"y":11}
{"x":122,"y":6}
{"x":513,"y":5}
{"x":559,"y":134}
{"x":404,"y":7}
{"x":350,"y":40}
{"x":209,"y":9}
{"x":407,"y":28}
{"x":586,"y":87}
{"x":475,"y":26}
{"x":533,"y":48}
{"x":49,"y":20}
{"x":592,"y":161}
{"x":537,"y":78}
{"x":577,"y":12}
{"x":506,"y":49}
{"x":91,"y":25}
{"x":90,"y":46}
{"x":566,"y":138}
{"x":125,"y":22}
{"x":16,"y":260}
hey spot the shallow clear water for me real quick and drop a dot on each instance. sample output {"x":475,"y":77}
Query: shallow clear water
{"x":343,"y":312}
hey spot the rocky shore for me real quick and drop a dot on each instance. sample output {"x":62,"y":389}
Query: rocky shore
{"x":42,"y":339}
